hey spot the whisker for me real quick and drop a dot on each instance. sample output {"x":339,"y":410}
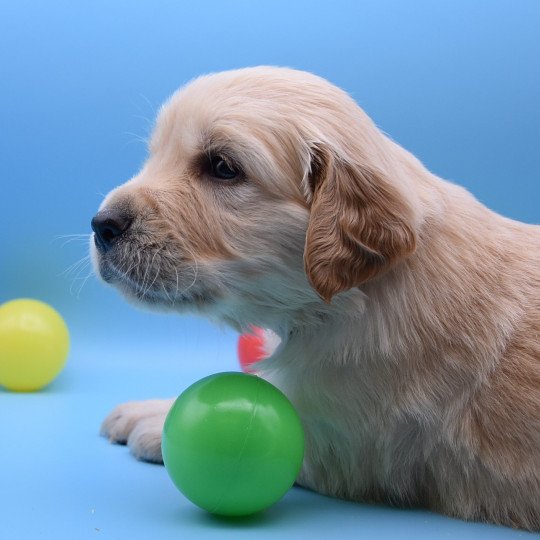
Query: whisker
{"x":79,"y":240}
{"x":144,"y":277}
{"x":149,"y":122}
{"x":196,"y":270}
{"x":67,"y":238}
{"x":126,"y":272}
{"x":194,"y":279}
{"x":83,"y":283}
{"x":61,"y":236}
{"x":145,"y":290}
{"x":76,"y":265}
{"x":152,"y":107}
{"x":136,"y":138}
{"x":139,"y":108}
{"x":153,"y":281}
{"x":166,"y":293}
{"x":77,"y":278}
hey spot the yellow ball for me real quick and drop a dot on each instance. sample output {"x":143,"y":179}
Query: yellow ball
{"x":34,"y":344}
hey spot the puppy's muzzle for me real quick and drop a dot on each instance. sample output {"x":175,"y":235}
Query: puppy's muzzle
{"x":109,"y":225}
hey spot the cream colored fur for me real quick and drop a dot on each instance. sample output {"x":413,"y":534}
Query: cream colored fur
{"x":408,"y":312}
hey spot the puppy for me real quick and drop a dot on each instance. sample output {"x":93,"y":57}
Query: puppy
{"x":408,"y":312}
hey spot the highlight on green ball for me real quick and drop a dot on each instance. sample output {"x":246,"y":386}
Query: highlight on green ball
{"x":34,"y":344}
{"x":233,"y":444}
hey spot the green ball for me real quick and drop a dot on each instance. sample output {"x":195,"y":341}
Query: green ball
{"x":233,"y":444}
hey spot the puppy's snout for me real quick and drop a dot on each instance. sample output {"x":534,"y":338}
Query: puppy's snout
{"x":109,"y":225}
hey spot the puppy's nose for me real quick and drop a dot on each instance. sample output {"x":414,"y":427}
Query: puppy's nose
{"x":108,"y":226}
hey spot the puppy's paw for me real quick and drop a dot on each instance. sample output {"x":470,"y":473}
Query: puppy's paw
{"x":138,"y":424}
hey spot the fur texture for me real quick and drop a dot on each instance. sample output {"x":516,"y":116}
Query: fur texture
{"x":408,"y":312}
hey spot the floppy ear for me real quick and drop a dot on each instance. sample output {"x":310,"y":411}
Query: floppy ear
{"x":359,"y":224}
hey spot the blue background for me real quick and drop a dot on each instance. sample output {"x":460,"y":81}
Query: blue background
{"x":455,"y":82}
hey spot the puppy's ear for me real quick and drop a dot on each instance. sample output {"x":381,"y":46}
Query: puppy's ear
{"x":359,"y":224}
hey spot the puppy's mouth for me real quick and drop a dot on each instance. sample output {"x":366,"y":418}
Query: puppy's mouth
{"x":153,"y":283}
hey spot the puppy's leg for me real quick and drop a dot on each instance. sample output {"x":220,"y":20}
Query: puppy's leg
{"x":139,"y":424}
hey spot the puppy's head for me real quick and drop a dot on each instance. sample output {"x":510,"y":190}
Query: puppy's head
{"x":264,"y":187}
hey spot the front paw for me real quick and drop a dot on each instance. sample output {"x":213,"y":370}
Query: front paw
{"x":139,"y":424}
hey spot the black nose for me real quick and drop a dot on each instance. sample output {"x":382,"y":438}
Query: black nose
{"x":108,"y":226}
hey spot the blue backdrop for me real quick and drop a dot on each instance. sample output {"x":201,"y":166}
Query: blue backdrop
{"x":455,"y":81}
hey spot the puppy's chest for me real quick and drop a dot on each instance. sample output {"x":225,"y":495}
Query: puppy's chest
{"x":355,"y":428}
{"x":344,"y":407}
{"x":342,"y":398}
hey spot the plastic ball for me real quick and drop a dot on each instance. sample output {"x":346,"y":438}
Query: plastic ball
{"x":233,"y":444}
{"x":34,"y":344}
{"x":251,"y":348}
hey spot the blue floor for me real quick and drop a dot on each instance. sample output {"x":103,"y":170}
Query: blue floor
{"x":60,"y":480}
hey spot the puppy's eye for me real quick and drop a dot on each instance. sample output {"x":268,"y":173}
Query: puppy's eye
{"x":219,"y":168}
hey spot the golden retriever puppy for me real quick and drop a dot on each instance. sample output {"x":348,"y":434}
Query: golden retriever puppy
{"x":408,"y":312}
